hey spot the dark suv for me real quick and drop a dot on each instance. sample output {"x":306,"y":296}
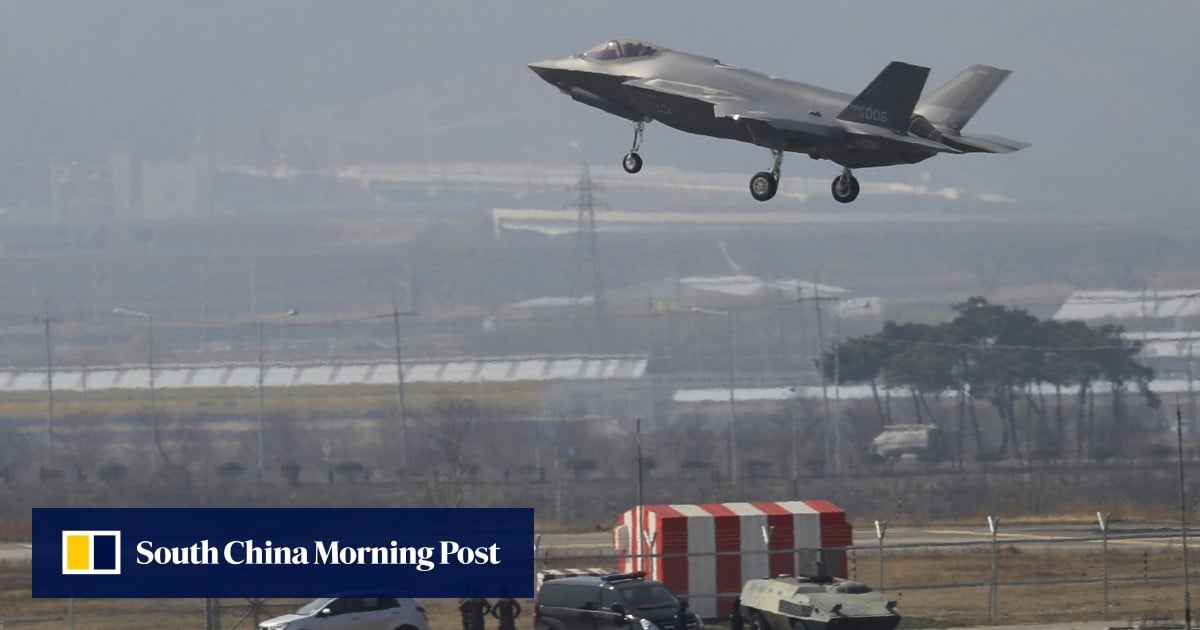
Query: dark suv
{"x":621,"y":601}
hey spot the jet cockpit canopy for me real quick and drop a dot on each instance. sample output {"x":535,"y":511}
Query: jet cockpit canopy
{"x":621,"y":49}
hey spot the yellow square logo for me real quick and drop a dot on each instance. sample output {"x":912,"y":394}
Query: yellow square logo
{"x":91,"y":552}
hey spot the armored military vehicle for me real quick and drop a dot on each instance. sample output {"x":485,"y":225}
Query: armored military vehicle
{"x":815,"y":603}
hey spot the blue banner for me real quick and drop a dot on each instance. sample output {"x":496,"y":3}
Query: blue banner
{"x":287,"y":552}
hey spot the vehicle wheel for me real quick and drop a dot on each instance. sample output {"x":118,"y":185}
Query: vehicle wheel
{"x":845,"y":194}
{"x":763,"y":186}
{"x":632,"y":162}
{"x":758,"y":621}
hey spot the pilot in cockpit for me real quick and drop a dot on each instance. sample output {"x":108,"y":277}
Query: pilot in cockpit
{"x":620,"y":49}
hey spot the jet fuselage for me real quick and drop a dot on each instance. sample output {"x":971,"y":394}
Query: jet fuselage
{"x":606,"y":79}
{"x":887,"y":123}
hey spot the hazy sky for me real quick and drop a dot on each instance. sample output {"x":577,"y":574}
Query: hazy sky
{"x":1106,"y":91}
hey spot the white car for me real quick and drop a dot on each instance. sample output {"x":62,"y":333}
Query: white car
{"x":353,"y":613}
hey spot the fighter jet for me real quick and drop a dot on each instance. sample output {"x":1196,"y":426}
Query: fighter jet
{"x":884,"y":124}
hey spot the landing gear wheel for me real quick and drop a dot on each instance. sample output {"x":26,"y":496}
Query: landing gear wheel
{"x":632,"y":162}
{"x":845,"y":188}
{"x":763,"y":186}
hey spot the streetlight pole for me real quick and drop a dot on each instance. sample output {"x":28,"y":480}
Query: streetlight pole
{"x":1183,"y":521}
{"x":880,"y":532}
{"x":994,"y":526}
{"x":261,"y":371}
{"x":1103,"y":518}
{"x":259,"y":424}
{"x":402,"y":417}
{"x":150,"y":366}
{"x":733,"y":471}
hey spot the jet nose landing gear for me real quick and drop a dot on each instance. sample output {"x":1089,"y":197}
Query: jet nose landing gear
{"x":633,"y":162}
{"x":765,"y":184}
{"x":845,"y":187}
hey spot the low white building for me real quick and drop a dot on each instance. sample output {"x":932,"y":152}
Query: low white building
{"x":1153,"y":309}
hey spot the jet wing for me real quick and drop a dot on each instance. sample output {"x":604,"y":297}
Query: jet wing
{"x":881,"y":134}
{"x":981,"y":143}
{"x":681,"y":89}
{"x":780,"y":120}
{"x":663,"y":97}
{"x":862,"y":134}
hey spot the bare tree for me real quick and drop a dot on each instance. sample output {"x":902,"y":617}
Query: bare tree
{"x":181,"y":444}
{"x":453,"y":427}
{"x":14,"y":450}
{"x":82,"y":438}
{"x":285,"y":441}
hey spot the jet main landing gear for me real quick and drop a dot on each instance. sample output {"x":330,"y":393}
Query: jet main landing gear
{"x":633,"y":162}
{"x":765,"y":184}
{"x":845,"y":187}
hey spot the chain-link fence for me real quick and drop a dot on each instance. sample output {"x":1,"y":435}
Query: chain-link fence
{"x":997,"y":578}
{"x":976,"y":577}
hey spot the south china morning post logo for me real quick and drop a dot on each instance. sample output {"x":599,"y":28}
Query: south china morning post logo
{"x":280,"y":552}
{"x":91,"y":552}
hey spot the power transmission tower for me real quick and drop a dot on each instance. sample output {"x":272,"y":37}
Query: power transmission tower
{"x":587,"y":254}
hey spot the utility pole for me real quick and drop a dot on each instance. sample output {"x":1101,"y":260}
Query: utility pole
{"x":732,"y":444}
{"x":821,"y":368}
{"x":49,"y":393}
{"x":832,"y":455}
{"x":83,"y":366}
{"x":47,"y":320}
{"x":150,"y":366}
{"x":261,"y":372}
{"x":837,"y":391}
{"x":641,"y":502}
{"x":401,"y":413}
{"x":795,"y":442}
{"x":1191,"y":392}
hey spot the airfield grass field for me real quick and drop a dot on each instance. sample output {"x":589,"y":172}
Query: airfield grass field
{"x":344,"y":401}
{"x":1145,"y":585}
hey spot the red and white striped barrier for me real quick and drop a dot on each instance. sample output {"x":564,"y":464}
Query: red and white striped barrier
{"x":705,"y":552}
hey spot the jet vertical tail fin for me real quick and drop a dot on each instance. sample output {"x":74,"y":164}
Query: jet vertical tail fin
{"x":889,"y":100}
{"x":953,"y":104}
